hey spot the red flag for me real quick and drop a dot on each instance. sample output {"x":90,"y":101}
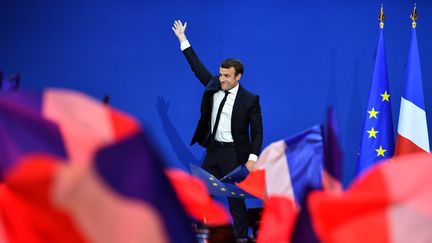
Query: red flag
{"x":85,"y":128}
{"x":278,"y":220}
{"x":389,"y":203}
{"x":195,"y":198}
{"x":28,"y":213}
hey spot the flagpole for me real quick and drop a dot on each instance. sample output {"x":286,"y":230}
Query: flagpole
{"x":414,"y":16}
{"x":381,"y":17}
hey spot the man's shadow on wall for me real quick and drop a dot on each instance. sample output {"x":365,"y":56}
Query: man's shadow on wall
{"x":180,"y":148}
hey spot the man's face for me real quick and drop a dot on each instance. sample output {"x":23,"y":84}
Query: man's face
{"x":227,"y":78}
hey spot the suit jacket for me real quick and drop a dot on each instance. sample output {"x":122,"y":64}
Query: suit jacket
{"x":246,"y":114}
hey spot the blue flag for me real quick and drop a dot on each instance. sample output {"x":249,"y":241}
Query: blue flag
{"x":218,"y":188}
{"x":332,"y":152}
{"x":236,"y":175}
{"x":377,"y":136}
{"x":10,"y":84}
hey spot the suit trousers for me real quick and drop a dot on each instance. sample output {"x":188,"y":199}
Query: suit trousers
{"x":219,"y":161}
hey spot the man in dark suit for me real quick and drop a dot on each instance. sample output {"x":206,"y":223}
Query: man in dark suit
{"x":230,"y":126}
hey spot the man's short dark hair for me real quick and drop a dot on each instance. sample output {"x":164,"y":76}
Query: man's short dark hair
{"x":235,"y":63}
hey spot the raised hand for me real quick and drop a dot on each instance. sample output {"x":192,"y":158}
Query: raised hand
{"x":179,"y":30}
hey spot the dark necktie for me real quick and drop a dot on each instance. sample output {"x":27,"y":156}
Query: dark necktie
{"x":219,"y":114}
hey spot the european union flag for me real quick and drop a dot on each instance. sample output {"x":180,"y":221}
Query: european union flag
{"x":377,"y":137}
{"x":236,"y":175}
{"x":218,"y":188}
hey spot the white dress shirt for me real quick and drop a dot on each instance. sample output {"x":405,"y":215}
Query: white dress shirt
{"x":223,"y":131}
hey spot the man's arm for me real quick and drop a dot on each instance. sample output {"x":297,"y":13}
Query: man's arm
{"x":198,"y":68}
{"x":256,"y":131}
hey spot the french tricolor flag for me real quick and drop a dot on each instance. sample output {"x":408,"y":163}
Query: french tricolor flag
{"x":412,"y":133}
{"x":284,"y":172}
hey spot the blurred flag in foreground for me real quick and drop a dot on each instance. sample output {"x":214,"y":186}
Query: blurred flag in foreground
{"x":281,"y":176}
{"x":10,"y":84}
{"x":80,"y":171}
{"x":331,"y":180}
{"x":287,"y":170}
{"x":333,"y":157}
{"x":390,"y":203}
{"x":285,"y":166}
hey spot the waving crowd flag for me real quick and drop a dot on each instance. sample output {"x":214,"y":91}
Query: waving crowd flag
{"x":377,"y":142}
{"x":80,"y":171}
{"x":333,"y":156}
{"x":223,"y":187}
{"x":10,"y":84}
{"x":285,"y":173}
{"x":378,"y":207}
{"x":286,"y":164}
{"x":412,"y":134}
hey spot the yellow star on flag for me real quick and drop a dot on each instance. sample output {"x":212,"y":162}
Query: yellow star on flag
{"x":385,"y":96}
{"x":214,"y":184}
{"x":373,"y":113}
{"x":372,"y":133}
{"x":380,"y":151}
{"x":223,"y":189}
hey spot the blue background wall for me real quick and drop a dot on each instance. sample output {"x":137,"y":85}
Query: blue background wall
{"x":300,"y":56}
